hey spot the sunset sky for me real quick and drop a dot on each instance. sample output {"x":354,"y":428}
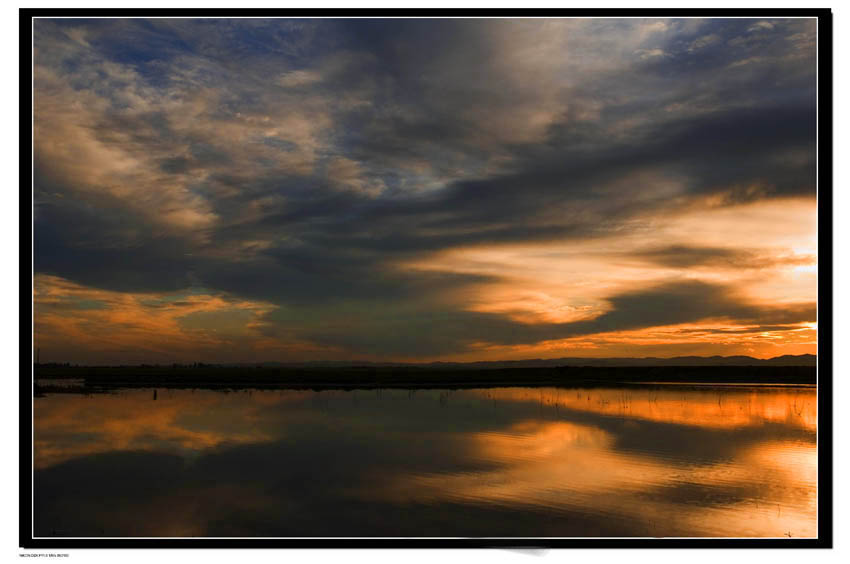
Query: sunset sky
{"x":246,"y":190}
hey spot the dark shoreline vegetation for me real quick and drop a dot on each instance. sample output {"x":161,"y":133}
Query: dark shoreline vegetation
{"x":104,"y":378}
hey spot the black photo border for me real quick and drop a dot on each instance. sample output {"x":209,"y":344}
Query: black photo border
{"x":825,"y":290}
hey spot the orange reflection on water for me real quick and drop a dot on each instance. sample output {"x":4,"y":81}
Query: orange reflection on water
{"x":757,"y":487}
{"x":661,"y":461}
{"x":725,"y":407}
{"x":71,"y":425}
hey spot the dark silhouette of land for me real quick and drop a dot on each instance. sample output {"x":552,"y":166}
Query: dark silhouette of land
{"x":787,"y":370}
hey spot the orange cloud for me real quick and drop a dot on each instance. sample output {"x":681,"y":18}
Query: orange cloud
{"x":71,"y":316}
{"x":765,"y":250}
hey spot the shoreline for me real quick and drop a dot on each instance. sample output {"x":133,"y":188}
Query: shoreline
{"x":95,"y":379}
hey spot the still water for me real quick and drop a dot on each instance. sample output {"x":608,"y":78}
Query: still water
{"x":555,"y":462}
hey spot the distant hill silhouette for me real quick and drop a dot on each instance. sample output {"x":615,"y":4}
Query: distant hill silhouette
{"x":784,"y":360}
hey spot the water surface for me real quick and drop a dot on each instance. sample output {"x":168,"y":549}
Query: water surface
{"x":736,"y":461}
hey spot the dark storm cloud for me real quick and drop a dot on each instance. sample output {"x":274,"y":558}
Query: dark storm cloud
{"x":713,"y":154}
{"x":300,"y":279}
{"x":299,"y":162}
{"x":108,"y":248}
{"x":681,"y":256}
{"x":692,"y":100}
{"x":401,"y":329}
{"x":687,"y":301}
{"x":520,"y":206}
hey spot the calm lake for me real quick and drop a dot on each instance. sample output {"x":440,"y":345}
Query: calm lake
{"x":666,"y":460}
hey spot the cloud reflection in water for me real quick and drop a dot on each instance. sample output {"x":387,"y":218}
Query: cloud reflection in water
{"x":659,"y":461}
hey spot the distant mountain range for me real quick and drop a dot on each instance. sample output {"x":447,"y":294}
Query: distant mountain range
{"x":784,"y":360}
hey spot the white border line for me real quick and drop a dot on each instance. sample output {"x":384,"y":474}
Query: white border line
{"x":319,"y":539}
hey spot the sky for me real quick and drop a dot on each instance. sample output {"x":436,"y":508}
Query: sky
{"x":248,"y":190}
